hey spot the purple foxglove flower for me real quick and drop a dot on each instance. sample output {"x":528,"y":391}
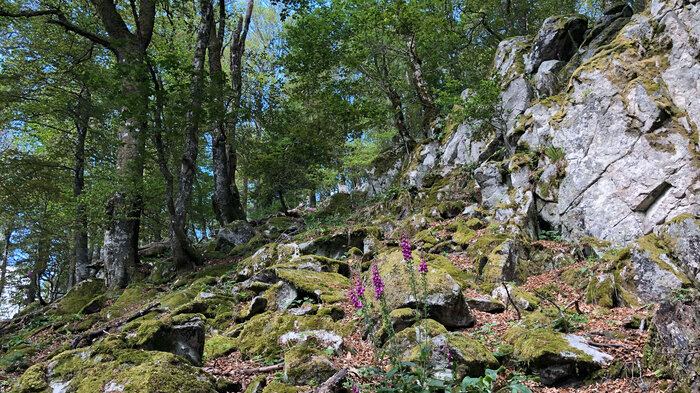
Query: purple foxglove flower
{"x":406,"y":248}
{"x":378,"y":283}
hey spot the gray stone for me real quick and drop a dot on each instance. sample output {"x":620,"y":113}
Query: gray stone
{"x":325,"y":339}
{"x":490,"y":181}
{"x":485,"y":304}
{"x":236,"y":233}
{"x":674,"y":339}
{"x":682,"y":235}
{"x":546,"y":80}
{"x":557,"y":39}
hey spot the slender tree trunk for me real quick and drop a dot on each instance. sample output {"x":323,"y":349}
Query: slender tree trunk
{"x":312,"y":199}
{"x":178,"y":200}
{"x":237,"y":50}
{"x":5,"y":259}
{"x":227,"y":205}
{"x":80,"y":271}
{"x":244,"y":195}
{"x":183,"y":251}
{"x":424,"y":95}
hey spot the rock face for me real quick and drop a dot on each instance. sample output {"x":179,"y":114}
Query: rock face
{"x":674,"y":340}
{"x":558,"y":39}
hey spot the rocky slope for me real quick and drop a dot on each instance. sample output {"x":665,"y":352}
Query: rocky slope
{"x":563,"y":240}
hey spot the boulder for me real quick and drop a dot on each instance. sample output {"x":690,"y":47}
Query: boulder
{"x":447,"y":350}
{"x":492,"y":186}
{"x":129,"y":370}
{"x":81,"y":295}
{"x":555,"y":357}
{"x":445,"y":301}
{"x":558,"y":39}
{"x":182,"y":336}
{"x":682,"y":235}
{"x":234,"y":234}
{"x":307,"y":366}
{"x":338,"y":245}
{"x":485,"y":304}
{"x":260,"y":335}
{"x":648,"y":268}
{"x":674,"y":339}
{"x":522,"y":299}
{"x":269,"y":255}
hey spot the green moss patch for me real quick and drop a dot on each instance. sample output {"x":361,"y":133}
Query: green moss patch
{"x":218,"y":346}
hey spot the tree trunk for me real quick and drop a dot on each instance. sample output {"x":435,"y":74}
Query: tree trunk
{"x":227,"y":206}
{"x":312,"y":199}
{"x":80,"y":271}
{"x":5,"y":259}
{"x":183,"y":251}
{"x":124,"y":208}
{"x":284,"y":207}
{"x":424,"y":95}
{"x":236,"y":68}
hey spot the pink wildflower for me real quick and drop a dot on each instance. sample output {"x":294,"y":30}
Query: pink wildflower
{"x":377,"y":281}
{"x":423,"y":268}
{"x":406,"y":248}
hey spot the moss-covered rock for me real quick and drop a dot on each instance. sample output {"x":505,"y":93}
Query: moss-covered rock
{"x":307,"y":366}
{"x":604,"y":291}
{"x":326,"y":287}
{"x":339,"y":205}
{"x":445,"y":301}
{"x":84,"y":371}
{"x":217,"y":346}
{"x":278,"y":387}
{"x":426,"y":237}
{"x":257,"y":385}
{"x":648,"y":269}
{"x":260,"y":334}
{"x":80,"y":295}
{"x":318,"y":264}
{"x":33,"y":380}
{"x":523,"y":299}
{"x":133,"y":295}
{"x":449,"y":209}
{"x":555,"y":356}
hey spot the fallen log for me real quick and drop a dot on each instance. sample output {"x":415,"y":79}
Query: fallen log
{"x":333,"y":383}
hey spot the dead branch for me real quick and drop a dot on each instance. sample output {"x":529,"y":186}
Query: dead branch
{"x":511,"y":300}
{"x":91,"y":336}
{"x":604,"y":345}
{"x":333,"y":382}
{"x":247,"y":371}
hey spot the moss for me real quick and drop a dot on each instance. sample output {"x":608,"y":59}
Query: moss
{"x":576,"y":277}
{"x":430,"y":327}
{"x":537,"y":347}
{"x":602,"y":291}
{"x":335,"y":312}
{"x":179,"y":298}
{"x":476,"y":358}
{"x":260,"y":334}
{"x":654,"y":248}
{"x":257,"y":384}
{"x":426,"y":236}
{"x":214,"y":270}
{"x":133,"y":295}
{"x":218,"y":346}
{"x":327,"y":265}
{"x":278,"y":387}
{"x":33,"y":380}
{"x":449,"y":209}
{"x":485,"y":244}
{"x":327,"y":287}
{"x":80,"y":295}
{"x":339,"y":205}
{"x":464,"y":236}
{"x":250,"y":247}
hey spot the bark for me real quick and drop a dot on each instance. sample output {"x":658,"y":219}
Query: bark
{"x":5,"y":259}
{"x":124,"y":208}
{"x":425,"y":96}
{"x":312,"y":199}
{"x":226,"y":204}
{"x":284,"y":207}
{"x":79,"y":270}
{"x":178,"y":201}
{"x":237,"y":50}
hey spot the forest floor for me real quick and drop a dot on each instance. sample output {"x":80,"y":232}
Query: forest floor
{"x":604,"y":328}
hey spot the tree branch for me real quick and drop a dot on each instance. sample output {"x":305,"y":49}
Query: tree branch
{"x":60,"y":20}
